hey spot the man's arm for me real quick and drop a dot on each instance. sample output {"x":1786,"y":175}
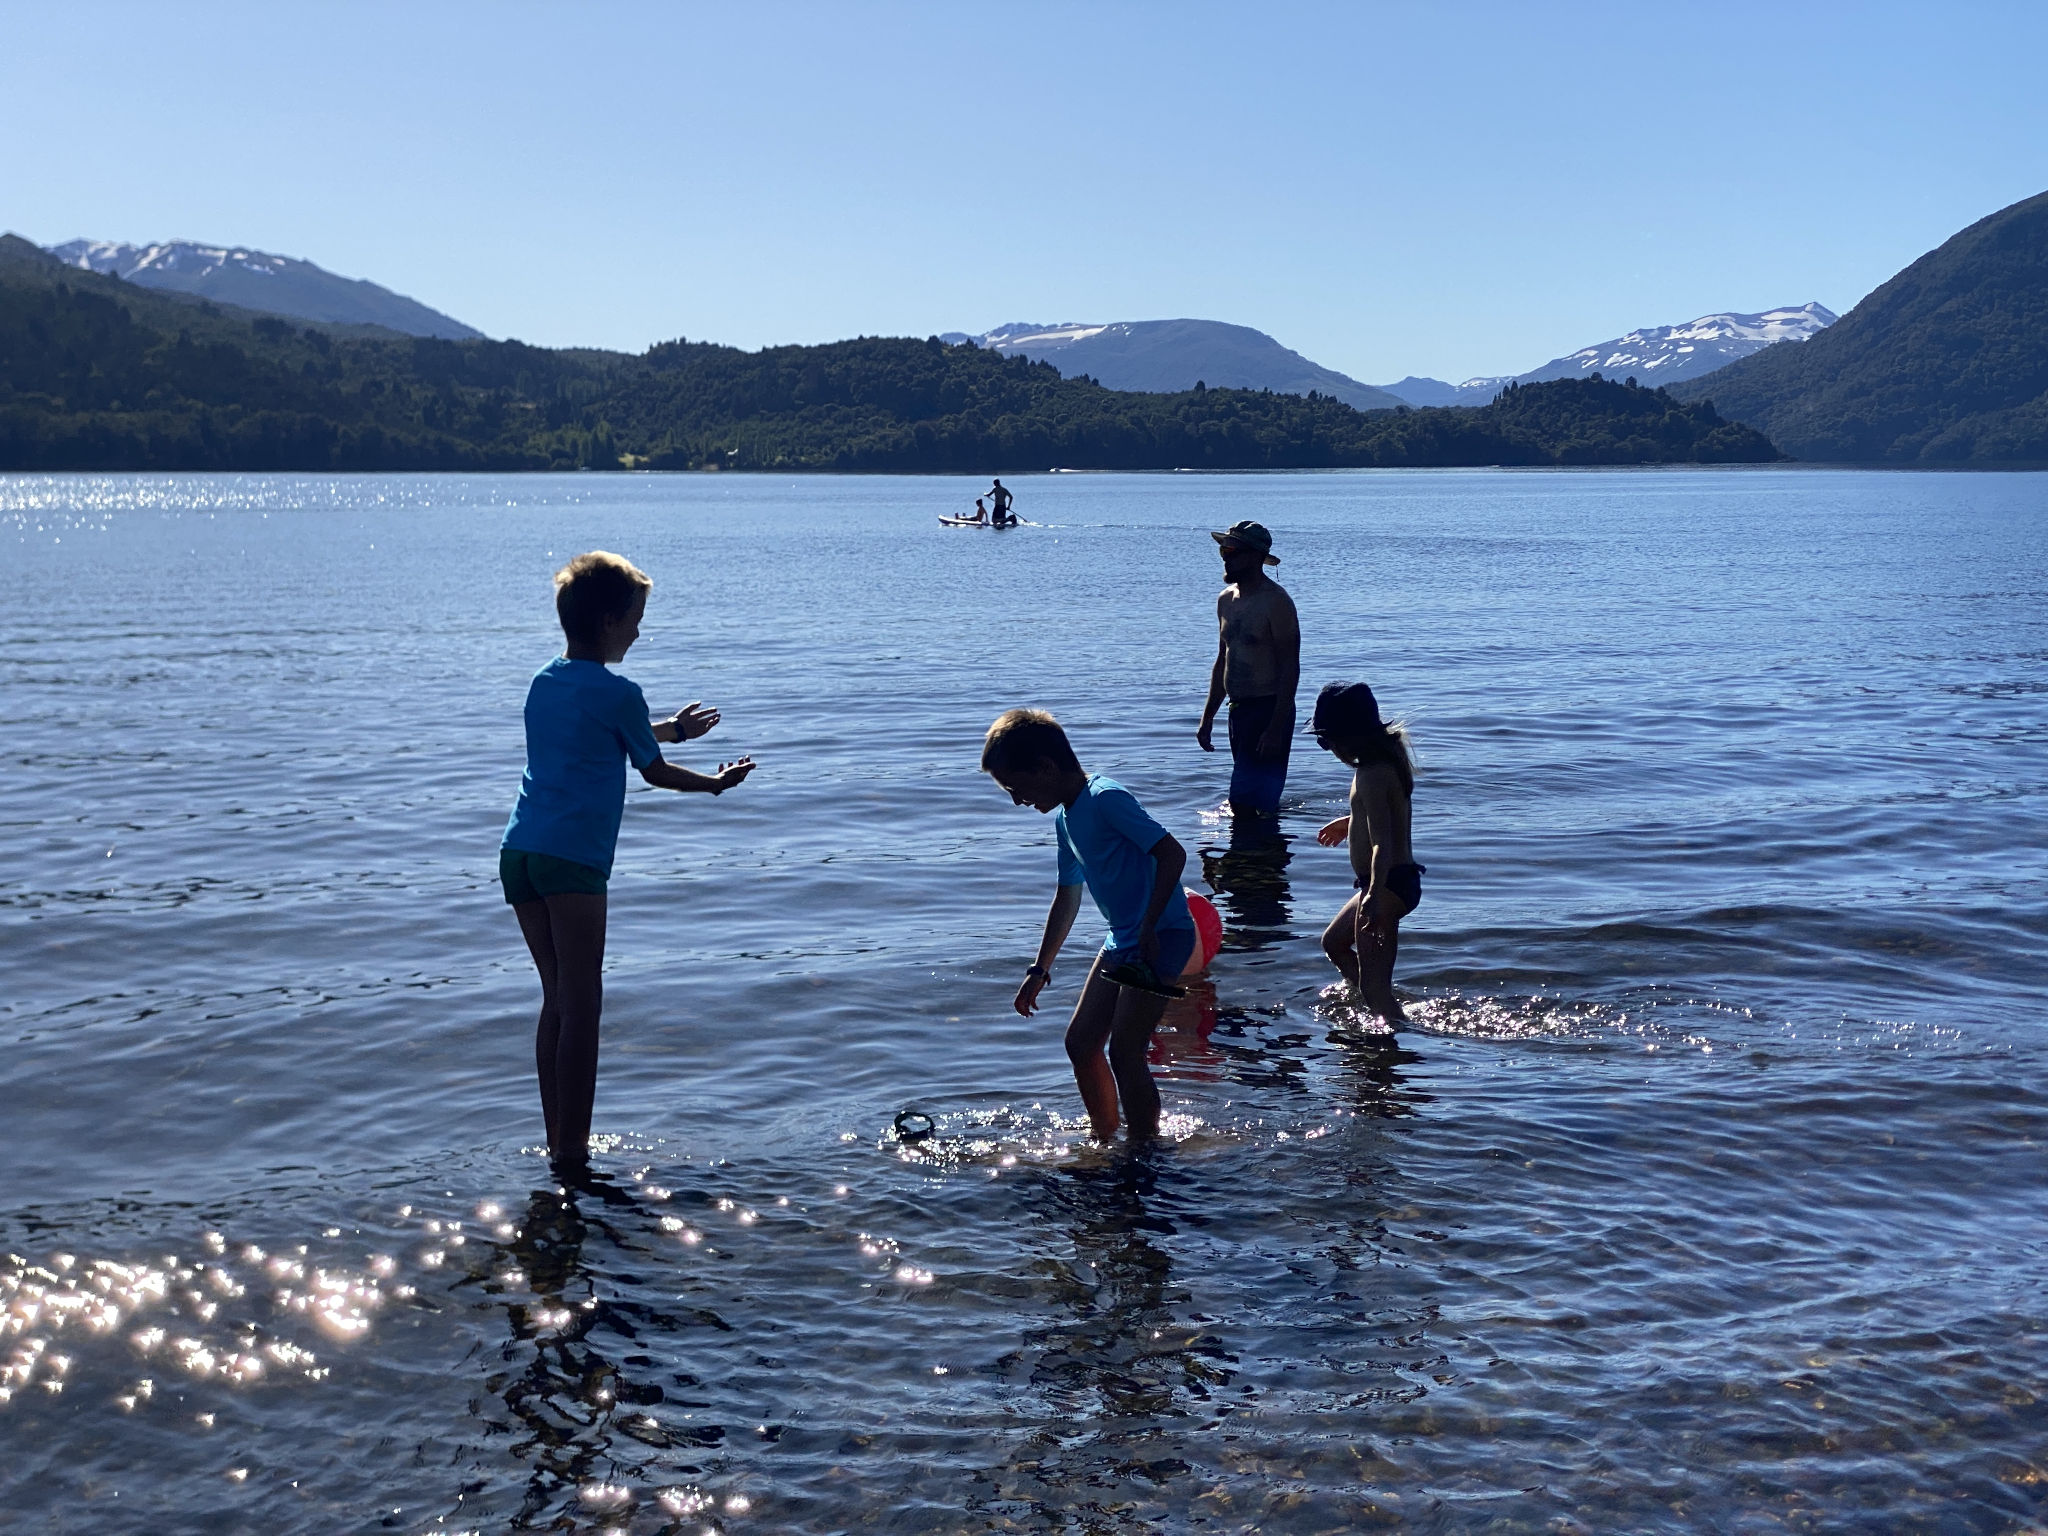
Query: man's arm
{"x":1286,"y":625}
{"x":1216,"y":675}
{"x":1059,"y":922}
{"x":666,"y":775}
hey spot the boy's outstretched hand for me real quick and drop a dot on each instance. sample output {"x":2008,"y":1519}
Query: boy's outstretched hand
{"x":1332,"y":834}
{"x":730,"y":774}
{"x":1027,"y":995}
{"x":692,"y":721}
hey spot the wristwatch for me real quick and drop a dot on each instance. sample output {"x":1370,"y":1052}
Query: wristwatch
{"x":1039,"y":971}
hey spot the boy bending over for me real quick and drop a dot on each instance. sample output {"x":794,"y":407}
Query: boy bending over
{"x":583,"y":725}
{"x":1132,"y":868}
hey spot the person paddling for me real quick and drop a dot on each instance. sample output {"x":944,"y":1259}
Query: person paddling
{"x":1000,"y":500}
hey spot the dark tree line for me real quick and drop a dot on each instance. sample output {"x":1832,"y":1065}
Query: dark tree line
{"x":96,"y":374}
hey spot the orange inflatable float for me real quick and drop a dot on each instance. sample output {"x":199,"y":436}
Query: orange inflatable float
{"x":1208,"y":933}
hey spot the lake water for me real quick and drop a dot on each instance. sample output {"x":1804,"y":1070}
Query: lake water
{"x":1706,"y":1193}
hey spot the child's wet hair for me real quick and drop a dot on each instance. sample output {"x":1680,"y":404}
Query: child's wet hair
{"x":594,"y":589}
{"x":1022,"y":737}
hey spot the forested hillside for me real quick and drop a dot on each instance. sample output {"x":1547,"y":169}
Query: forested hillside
{"x":1945,"y":364}
{"x":98,"y":374}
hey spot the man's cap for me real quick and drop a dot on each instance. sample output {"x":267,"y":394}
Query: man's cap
{"x":1345,"y":712}
{"x":1251,"y":535}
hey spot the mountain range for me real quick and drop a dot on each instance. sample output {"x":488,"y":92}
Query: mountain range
{"x":1945,"y":364}
{"x":277,"y":285}
{"x":97,"y":373}
{"x":1661,"y":354}
{"x":1164,"y":356}
{"x":1167,"y":356}
{"x":1148,"y":356}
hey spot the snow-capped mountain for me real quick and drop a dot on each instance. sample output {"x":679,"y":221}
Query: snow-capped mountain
{"x":1657,"y":355}
{"x":1166,"y":356}
{"x":278,"y":285}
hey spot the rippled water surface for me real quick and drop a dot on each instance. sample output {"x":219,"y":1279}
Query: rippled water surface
{"x":1707,"y":1193}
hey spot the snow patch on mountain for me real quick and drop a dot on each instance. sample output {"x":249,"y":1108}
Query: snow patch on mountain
{"x":1166,"y":356}
{"x":186,"y":257}
{"x":1043,"y":338}
{"x":259,"y":280}
{"x":1654,"y":355}
{"x":1664,"y":353}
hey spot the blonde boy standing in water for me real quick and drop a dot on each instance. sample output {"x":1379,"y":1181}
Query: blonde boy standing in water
{"x":1363,"y":938}
{"x":1132,"y":868}
{"x":583,"y":725}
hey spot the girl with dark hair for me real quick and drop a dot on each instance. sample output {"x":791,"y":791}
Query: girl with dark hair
{"x":1362,"y":939}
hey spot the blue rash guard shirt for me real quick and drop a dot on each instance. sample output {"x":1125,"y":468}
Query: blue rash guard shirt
{"x":1106,"y":842}
{"x":583,"y":725}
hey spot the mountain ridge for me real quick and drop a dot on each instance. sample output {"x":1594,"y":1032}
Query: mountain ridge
{"x":1168,"y":356}
{"x":259,"y":280}
{"x":1944,"y":364}
{"x":1664,"y":354}
{"x":101,"y":374}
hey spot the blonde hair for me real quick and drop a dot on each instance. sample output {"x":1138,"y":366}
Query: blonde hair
{"x":1021,"y":737}
{"x":594,"y":589}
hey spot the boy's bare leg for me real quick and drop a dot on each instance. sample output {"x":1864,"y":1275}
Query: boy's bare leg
{"x":1088,"y":1032}
{"x":539,"y":933}
{"x":576,"y":926}
{"x":1137,"y":1014}
{"x":1340,"y":941}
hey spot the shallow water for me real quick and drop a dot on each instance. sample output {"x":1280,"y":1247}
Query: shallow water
{"x":1707,"y":1193}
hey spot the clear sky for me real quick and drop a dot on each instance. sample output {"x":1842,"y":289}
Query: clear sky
{"x":1434,"y":188}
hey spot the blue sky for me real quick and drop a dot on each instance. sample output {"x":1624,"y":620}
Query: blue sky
{"x":1447,"y":189}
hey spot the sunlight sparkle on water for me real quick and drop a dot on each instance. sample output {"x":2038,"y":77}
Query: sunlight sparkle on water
{"x":174,"y":1304}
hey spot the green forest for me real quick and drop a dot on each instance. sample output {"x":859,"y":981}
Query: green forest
{"x":1946,"y":364}
{"x":96,"y":374}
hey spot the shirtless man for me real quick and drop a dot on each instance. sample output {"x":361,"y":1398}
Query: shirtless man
{"x":1258,"y":665}
{"x":1000,"y":499}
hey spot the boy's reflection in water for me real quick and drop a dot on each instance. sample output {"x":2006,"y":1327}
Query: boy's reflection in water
{"x":581,"y":1409}
{"x":1126,"y":1351}
{"x":1249,"y":877}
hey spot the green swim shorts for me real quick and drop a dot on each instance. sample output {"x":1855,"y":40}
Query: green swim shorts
{"x":530,"y":876}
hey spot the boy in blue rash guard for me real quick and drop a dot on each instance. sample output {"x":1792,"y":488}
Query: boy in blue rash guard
{"x":1132,"y":868}
{"x":583,"y":725}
